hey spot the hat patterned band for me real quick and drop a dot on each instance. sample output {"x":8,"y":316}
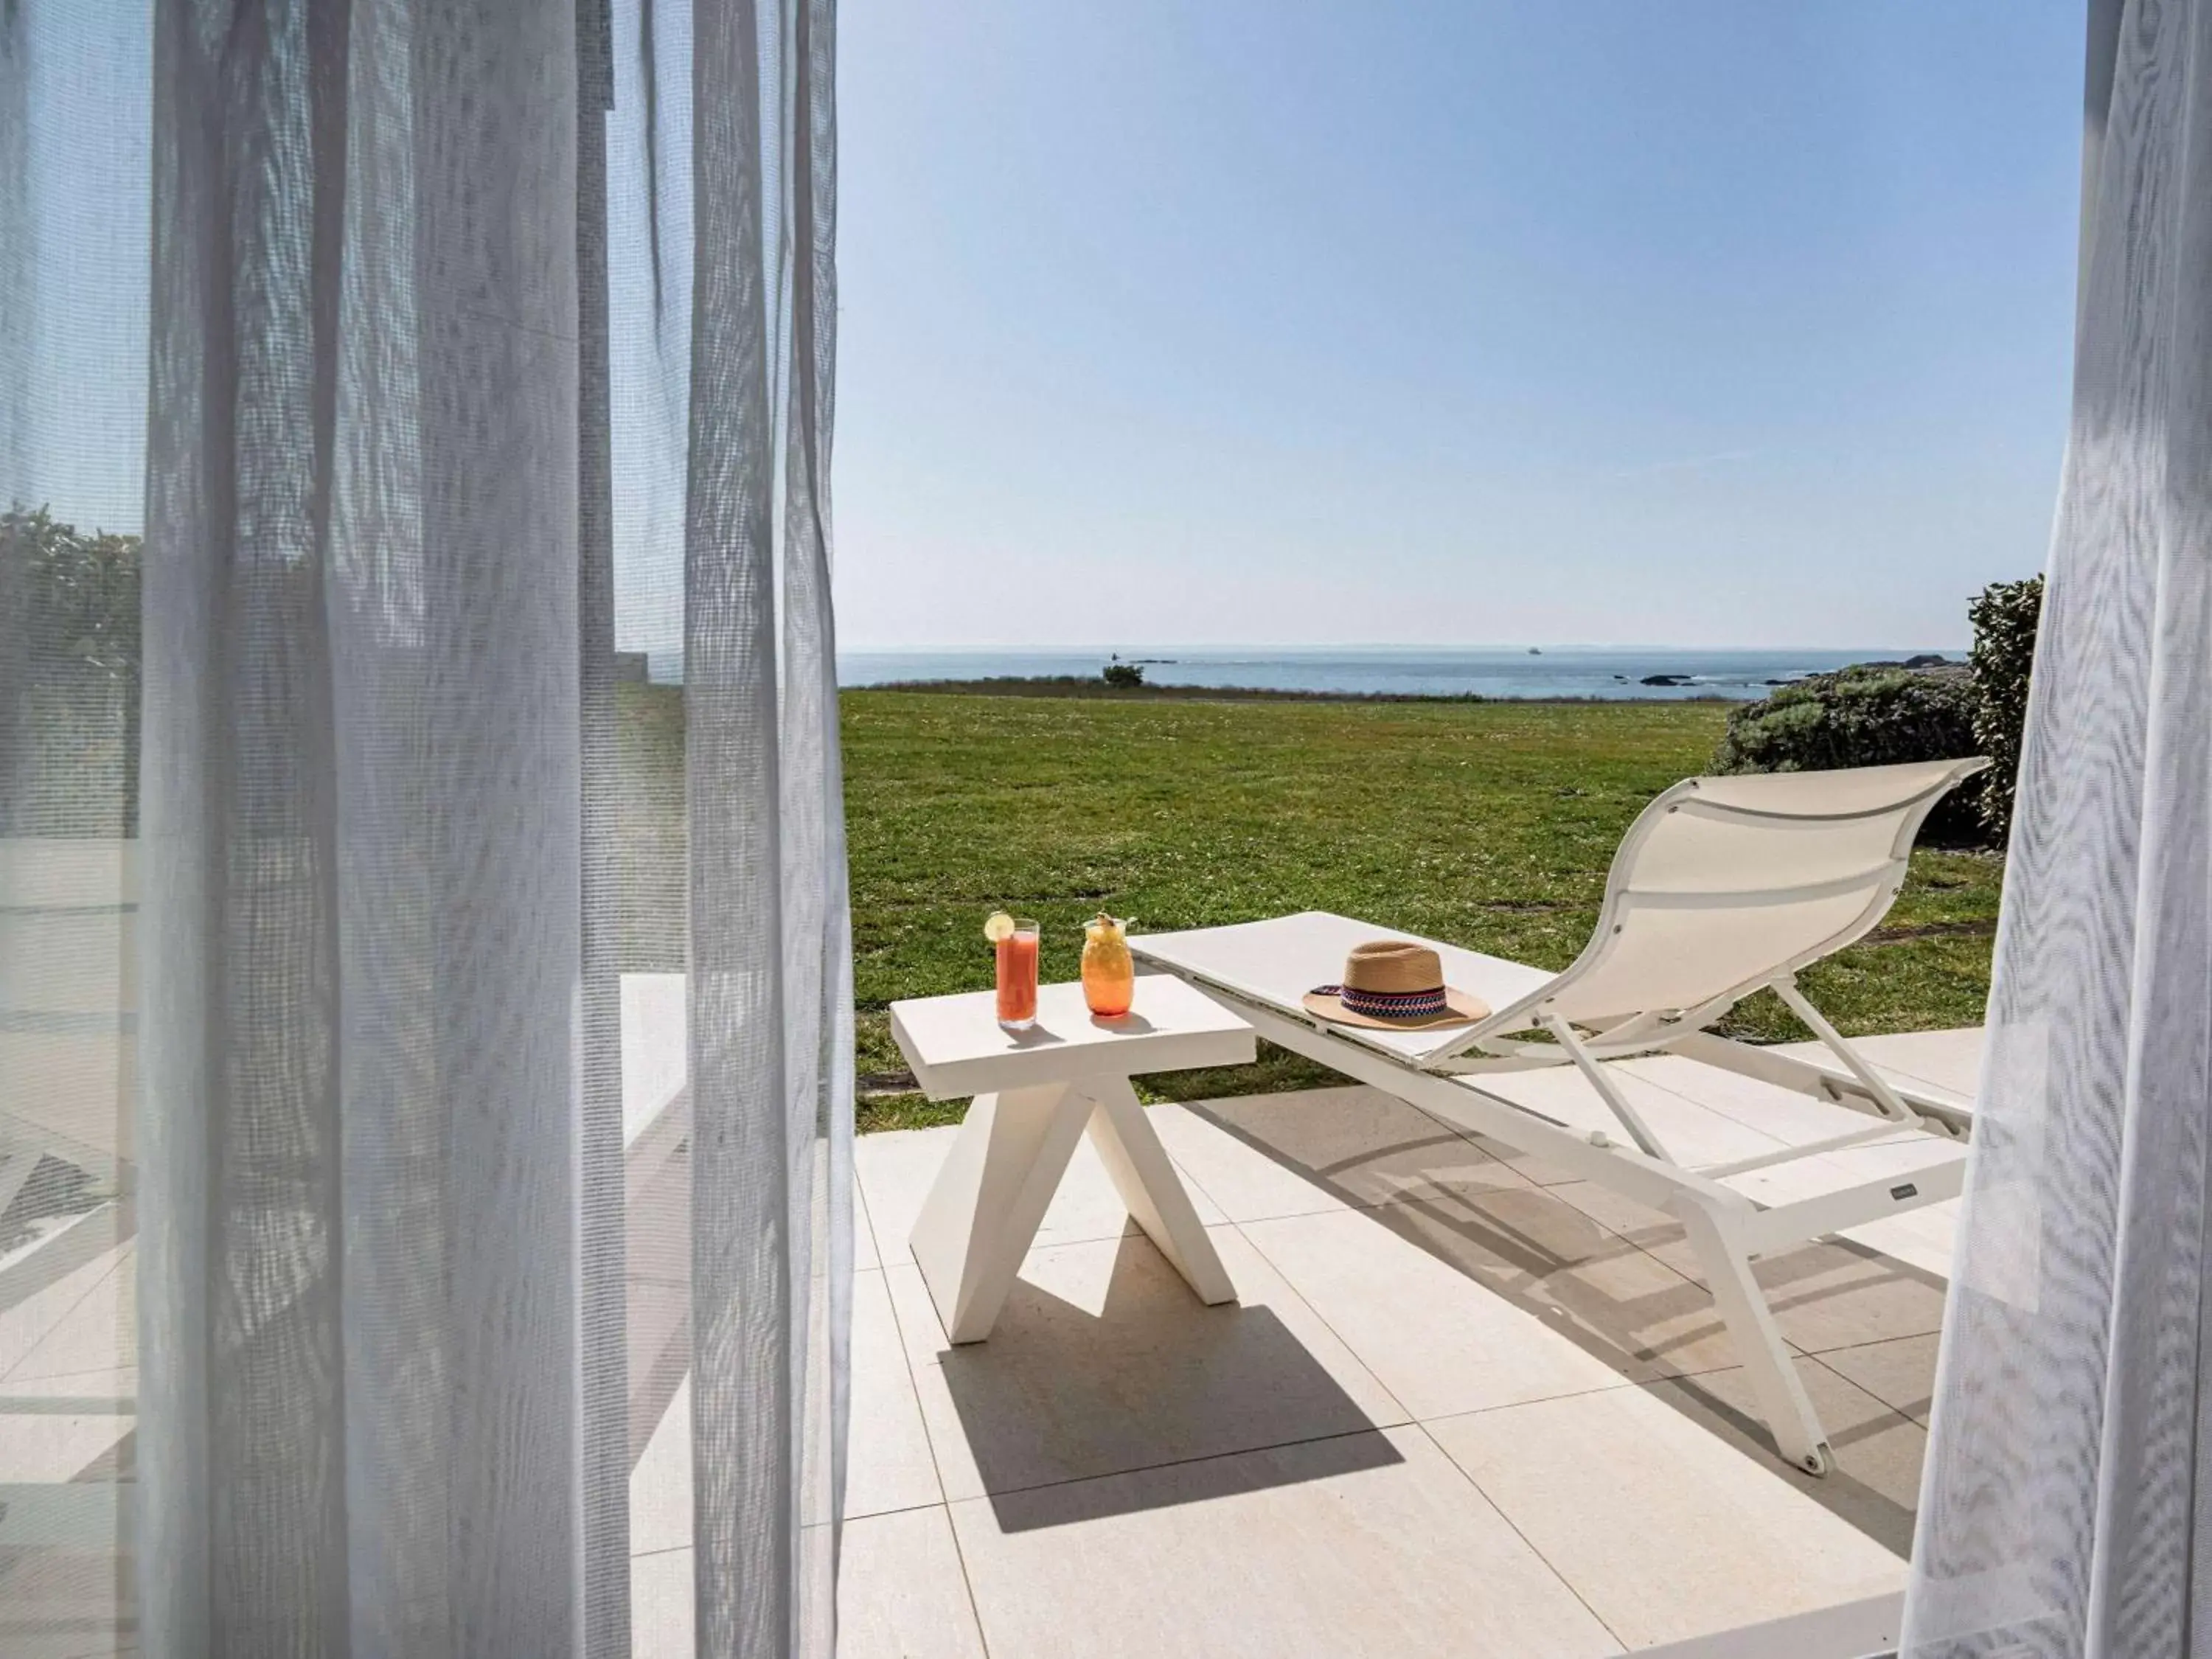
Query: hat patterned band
{"x":1388,"y":1005}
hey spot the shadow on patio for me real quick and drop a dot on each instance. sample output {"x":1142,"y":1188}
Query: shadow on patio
{"x":1060,"y":1393}
{"x":1622,"y":1284}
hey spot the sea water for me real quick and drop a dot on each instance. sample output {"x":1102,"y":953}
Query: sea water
{"x":1487,"y":672}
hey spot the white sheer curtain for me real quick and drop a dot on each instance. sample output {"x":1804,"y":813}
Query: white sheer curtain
{"x":468,"y":1099}
{"x":2066,"y":1506}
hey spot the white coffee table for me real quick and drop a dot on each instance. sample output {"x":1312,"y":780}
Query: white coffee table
{"x":1036,"y":1091}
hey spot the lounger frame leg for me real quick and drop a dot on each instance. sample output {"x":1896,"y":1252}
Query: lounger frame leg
{"x":1725,"y":1229}
{"x":1876,"y":1086}
{"x":1774,"y":1381}
{"x":1608,"y":1090}
{"x":1945,"y":1117}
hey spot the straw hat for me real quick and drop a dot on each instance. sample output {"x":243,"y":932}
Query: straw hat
{"x":1394,"y":985}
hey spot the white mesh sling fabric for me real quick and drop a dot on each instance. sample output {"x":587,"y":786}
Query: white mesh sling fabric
{"x":1723,"y":883}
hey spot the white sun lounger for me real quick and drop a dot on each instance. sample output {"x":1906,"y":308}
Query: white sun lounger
{"x":1723,"y":887}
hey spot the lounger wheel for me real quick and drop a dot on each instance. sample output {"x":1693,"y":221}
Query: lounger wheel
{"x":1819,"y":1461}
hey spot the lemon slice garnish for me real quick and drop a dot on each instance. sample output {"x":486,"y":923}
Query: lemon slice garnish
{"x":999,"y":927}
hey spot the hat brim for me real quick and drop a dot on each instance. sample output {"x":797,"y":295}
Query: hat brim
{"x":1460,"y":1009}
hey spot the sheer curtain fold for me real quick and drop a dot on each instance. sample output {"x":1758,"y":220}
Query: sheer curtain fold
{"x":755,"y":655}
{"x":2064,"y":1503}
{"x":766,"y":1007}
{"x":362,"y":800}
{"x":431,"y":473}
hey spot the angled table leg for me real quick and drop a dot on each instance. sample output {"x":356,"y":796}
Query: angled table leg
{"x":1130,"y":1148}
{"x":990,"y":1197}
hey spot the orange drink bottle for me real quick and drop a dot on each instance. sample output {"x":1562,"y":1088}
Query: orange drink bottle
{"x":1017,"y":976}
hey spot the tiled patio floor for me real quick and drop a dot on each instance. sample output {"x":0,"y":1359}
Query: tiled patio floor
{"x":1461,"y":1407}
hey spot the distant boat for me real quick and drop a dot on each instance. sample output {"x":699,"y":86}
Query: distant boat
{"x":1534,"y":652}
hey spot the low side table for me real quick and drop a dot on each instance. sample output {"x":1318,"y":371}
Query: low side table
{"x":1036,"y":1091}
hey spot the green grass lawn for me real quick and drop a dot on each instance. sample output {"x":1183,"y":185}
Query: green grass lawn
{"x":1490,"y":825}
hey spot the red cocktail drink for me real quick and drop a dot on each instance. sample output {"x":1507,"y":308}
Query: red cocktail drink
{"x":1017,"y":977}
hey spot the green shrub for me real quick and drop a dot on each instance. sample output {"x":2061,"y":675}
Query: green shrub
{"x":1863,"y":716}
{"x":71,"y":727}
{"x":84,"y":586}
{"x":2005,"y":615}
{"x":1124,"y":674}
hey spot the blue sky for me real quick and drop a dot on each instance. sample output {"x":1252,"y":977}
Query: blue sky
{"x":1692,"y":322}
{"x":81,"y":447}
{"x":1676,"y":322}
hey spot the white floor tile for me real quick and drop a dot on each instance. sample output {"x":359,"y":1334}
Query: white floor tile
{"x":92,"y":1330}
{"x":888,"y":1462}
{"x":1662,"y":1528}
{"x":1783,"y":1115}
{"x":1950,"y":1060}
{"x":1264,"y":1156}
{"x":660,"y":1484}
{"x":41,"y":1448}
{"x":1438,"y":1340}
{"x":865,"y":1252}
{"x":1103,"y":1361}
{"x":90,"y":1324}
{"x":661,"y":1606}
{"x":1371,"y":1546}
{"x":1692,"y":1133}
{"x":902,"y":1593}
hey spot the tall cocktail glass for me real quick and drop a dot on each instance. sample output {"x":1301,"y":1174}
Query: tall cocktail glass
{"x":1017,"y":976}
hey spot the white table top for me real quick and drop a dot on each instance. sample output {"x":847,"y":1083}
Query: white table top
{"x":957,"y":1046}
{"x":1275,"y":962}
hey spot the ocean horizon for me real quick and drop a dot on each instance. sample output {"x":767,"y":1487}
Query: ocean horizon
{"x":1537,"y":672}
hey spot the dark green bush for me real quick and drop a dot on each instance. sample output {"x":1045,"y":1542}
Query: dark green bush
{"x":2005,"y":615}
{"x":1124,"y":674}
{"x":70,"y":726}
{"x":83,"y":587}
{"x":1863,"y":716}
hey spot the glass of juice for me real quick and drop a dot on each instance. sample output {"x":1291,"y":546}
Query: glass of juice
{"x":1109,"y":975}
{"x":1017,"y":973}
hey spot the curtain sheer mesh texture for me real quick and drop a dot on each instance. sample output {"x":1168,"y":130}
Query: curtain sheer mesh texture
{"x":425,"y":1019}
{"x":2063,"y":1506}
